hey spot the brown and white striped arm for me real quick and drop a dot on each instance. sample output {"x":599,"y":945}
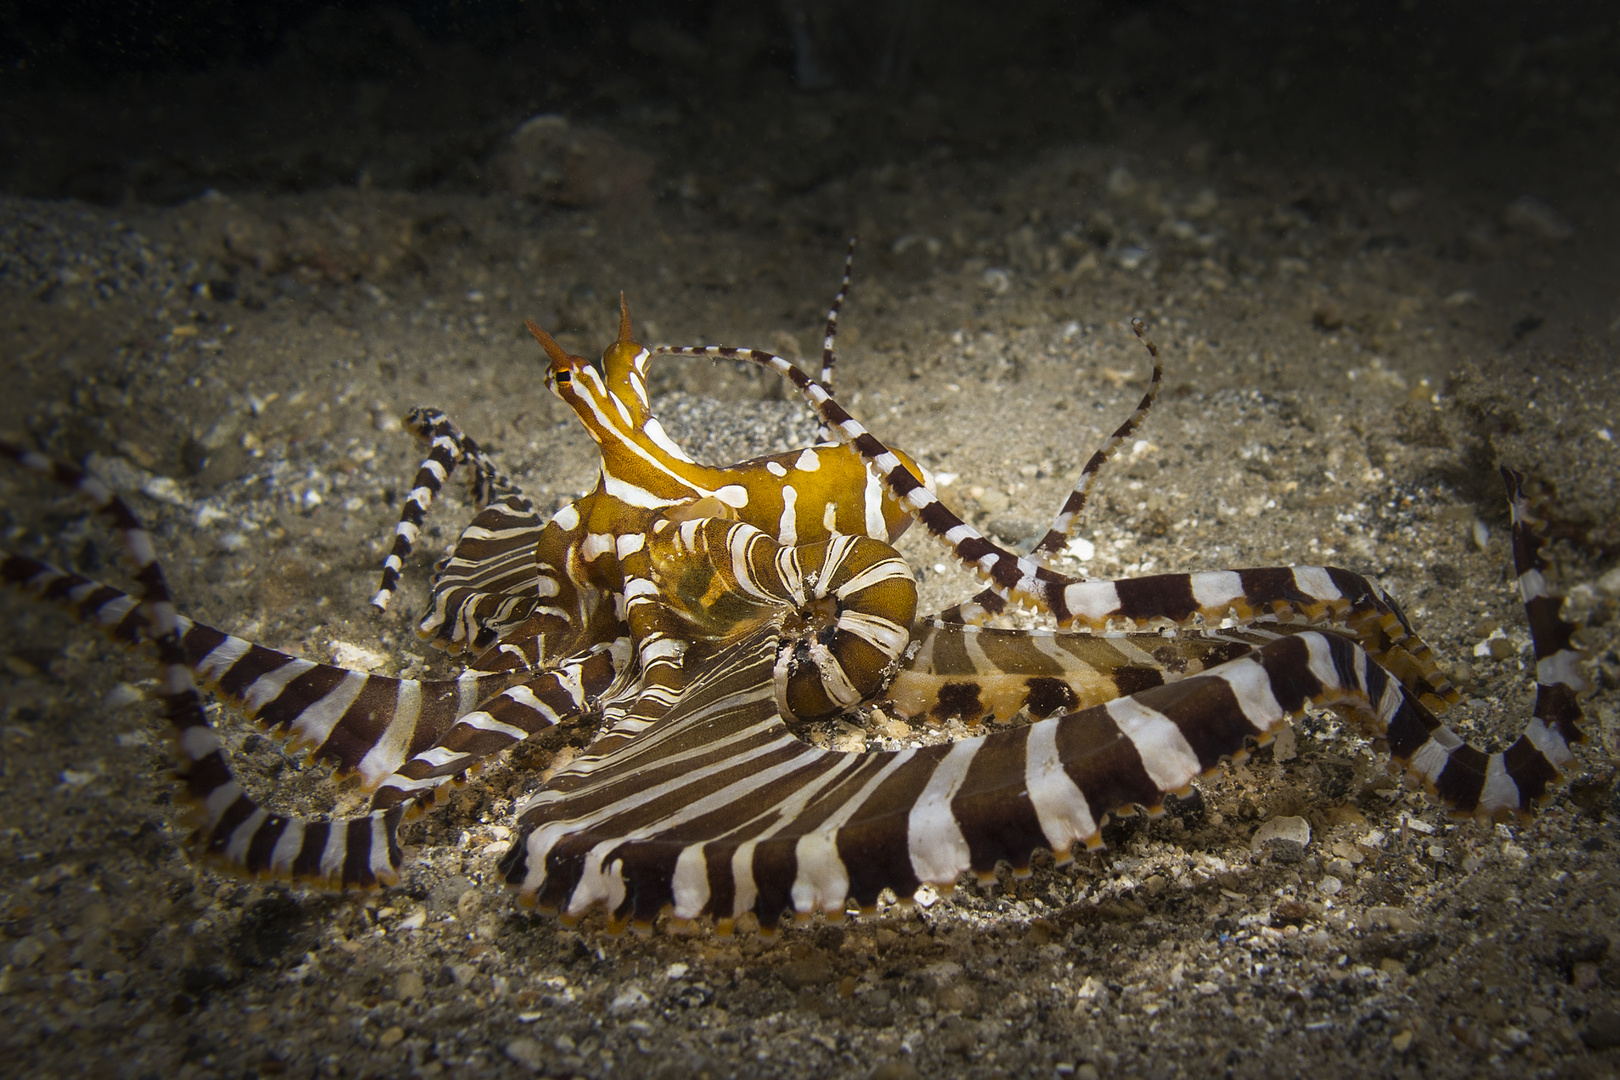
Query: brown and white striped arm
{"x":989,"y":602}
{"x":362,"y":723}
{"x":404,"y":737}
{"x":829,"y":356}
{"x":447,"y":448}
{"x":719,"y":811}
{"x":491,"y":582}
{"x":230,"y":826}
{"x":973,"y":672}
{"x":1555,"y":725}
{"x":1063,"y":525}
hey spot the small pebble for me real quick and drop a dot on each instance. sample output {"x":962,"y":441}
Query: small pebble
{"x":355,"y":657}
{"x":1296,"y":829}
{"x":996,"y":281}
{"x":123,"y":694}
{"x":629,"y":1000}
{"x":527,"y":1052}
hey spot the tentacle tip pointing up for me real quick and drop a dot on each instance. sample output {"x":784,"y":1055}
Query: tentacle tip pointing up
{"x":624,"y":319}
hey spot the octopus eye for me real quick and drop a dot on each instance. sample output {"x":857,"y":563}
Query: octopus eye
{"x":564,"y":378}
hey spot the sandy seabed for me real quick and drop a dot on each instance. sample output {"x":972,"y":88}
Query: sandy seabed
{"x":1346,"y":364}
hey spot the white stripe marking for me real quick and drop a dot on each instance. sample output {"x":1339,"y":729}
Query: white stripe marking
{"x":388,"y":754}
{"x":939,"y":851}
{"x":690,"y":882}
{"x":1315,"y":581}
{"x":1500,"y":792}
{"x":1093,"y":601}
{"x":223,"y":655}
{"x":872,"y":499}
{"x":787,"y":530}
{"x":1217,"y":590}
{"x":314,"y":725}
{"x":1060,"y":806}
{"x":268,"y":686}
{"x":1252,"y":687}
{"x":1166,"y":756}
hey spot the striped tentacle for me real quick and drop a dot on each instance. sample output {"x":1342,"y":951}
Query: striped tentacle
{"x":1063,"y":525}
{"x":1313,"y":595}
{"x":447,"y":726}
{"x":626,"y":712}
{"x":368,"y":724}
{"x":829,"y":357}
{"x":1542,"y":753}
{"x":553,"y":697}
{"x":849,"y":600}
{"x":365,"y":724}
{"x":447,"y":448}
{"x":1515,"y":781}
{"x":230,"y":826}
{"x":721,"y":812}
{"x":989,"y":602}
{"x":491,"y":582}
{"x":973,"y":672}
{"x":112,"y":610}
{"x":406,"y":738}
{"x":656,"y":632}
